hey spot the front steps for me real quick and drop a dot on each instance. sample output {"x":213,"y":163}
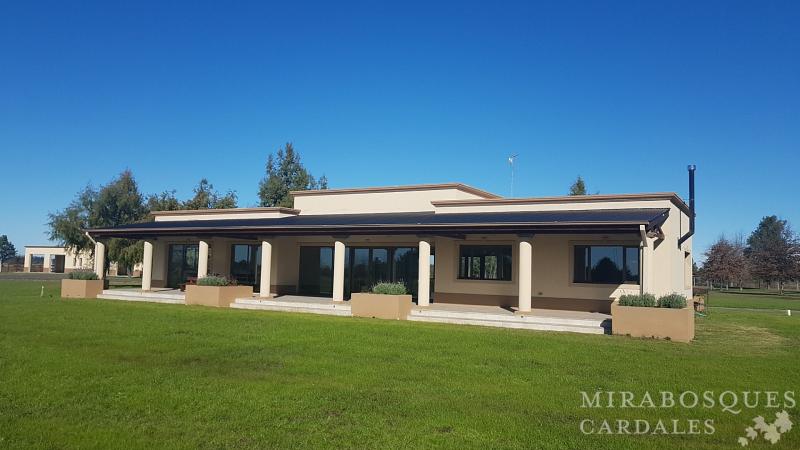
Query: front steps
{"x":315,"y":307}
{"x":139,"y":296}
{"x":533,"y":322}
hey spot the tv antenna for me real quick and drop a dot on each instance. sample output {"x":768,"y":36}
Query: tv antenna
{"x":511,"y":160}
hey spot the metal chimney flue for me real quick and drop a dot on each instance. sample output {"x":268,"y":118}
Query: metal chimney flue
{"x":692,"y":214}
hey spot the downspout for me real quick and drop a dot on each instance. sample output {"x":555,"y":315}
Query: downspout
{"x":686,"y":236}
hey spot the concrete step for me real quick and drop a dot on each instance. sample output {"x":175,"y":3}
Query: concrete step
{"x":133,"y":296}
{"x":328,"y":308}
{"x":541,"y":323}
{"x":477,"y":315}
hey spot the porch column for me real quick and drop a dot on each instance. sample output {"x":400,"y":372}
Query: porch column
{"x":338,"y":271}
{"x":525,"y":274}
{"x":147,"y":266}
{"x":26,"y":266}
{"x":645,"y":271}
{"x":46,"y":263}
{"x":424,"y":281}
{"x":202,"y":262}
{"x":266,"y":268}
{"x":100,"y":259}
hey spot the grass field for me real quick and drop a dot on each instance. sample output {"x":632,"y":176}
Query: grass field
{"x":105,"y":374}
{"x":754,"y":301}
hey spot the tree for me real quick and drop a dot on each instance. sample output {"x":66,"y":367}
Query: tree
{"x":772,"y":251}
{"x":7,"y":249}
{"x":117,"y":203}
{"x":205,"y":197}
{"x":164,"y":201}
{"x":285,"y":173}
{"x":725,"y":262}
{"x":578,"y":187}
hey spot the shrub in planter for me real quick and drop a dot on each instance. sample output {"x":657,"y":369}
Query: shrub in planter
{"x":216,"y":290}
{"x":640,"y":300}
{"x":215,"y":280}
{"x":675,"y":301}
{"x":82,"y":275}
{"x":386,"y":301}
{"x":390,"y":289}
{"x":82,"y":284}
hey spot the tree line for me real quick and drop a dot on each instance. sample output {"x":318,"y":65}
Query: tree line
{"x":120,"y":202}
{"x":770,"y":254}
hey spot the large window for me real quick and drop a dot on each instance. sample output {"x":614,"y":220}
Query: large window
{"x":606,"y":264}
{"x":246,"y":264}
{"x":485,"y":262}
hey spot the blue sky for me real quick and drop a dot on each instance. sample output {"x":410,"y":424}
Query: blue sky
{"x":624,"y":94}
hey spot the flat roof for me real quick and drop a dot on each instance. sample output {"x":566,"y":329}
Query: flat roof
{"x":576,"y":221}
{"x":671,"y":196}
{"x":189,"y":212}
{"x":411,"y":187}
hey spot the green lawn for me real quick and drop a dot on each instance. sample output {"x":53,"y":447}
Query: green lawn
{"x":106,"y":374}
{"x":755,"y":301}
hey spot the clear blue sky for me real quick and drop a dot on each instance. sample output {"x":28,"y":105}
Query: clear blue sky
{"x":624,"y":94}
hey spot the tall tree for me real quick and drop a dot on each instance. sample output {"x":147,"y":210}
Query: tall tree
{"x":117,"y":203}
{"x":725,"y":262}
{"x":772,"y":251}
{"x":205,"y":197}
{"x":578,"y":187}
{"x":285,"y":173}
{"x":7,"y":249}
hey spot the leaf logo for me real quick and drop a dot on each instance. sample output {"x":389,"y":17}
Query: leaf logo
{"x":769,"y":431}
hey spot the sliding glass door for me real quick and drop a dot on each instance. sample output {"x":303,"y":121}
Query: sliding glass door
{"x":363,"y":268}
{"x":246,"y":265}
{"x":316,"y":271}
{"x":181,"y":264}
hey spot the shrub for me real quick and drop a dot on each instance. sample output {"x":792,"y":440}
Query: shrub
{"x":676,"y":301}
{"x":214,"y":280}
{"x":82,"y":275}
{"x":641,"y":300}
{"x":390,"y":289}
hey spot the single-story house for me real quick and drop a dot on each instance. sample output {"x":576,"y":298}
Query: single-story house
{"x":449,"y":243}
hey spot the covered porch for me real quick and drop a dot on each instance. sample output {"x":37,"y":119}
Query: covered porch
{"x":509,"y":266}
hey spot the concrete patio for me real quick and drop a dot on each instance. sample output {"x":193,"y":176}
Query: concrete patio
{"x":490,"y":316}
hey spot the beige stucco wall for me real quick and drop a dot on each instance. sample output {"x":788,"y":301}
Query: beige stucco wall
{"x":551,"y":270}
{"x":377,"y":202}
{"x":570,"y":206}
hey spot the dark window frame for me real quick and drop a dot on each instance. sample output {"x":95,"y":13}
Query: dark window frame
{"x":587,"y":270}
{"x":504,"y":275}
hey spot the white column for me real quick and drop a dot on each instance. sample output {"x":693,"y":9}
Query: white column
{"x":147,"y":266}
{"x":26,"y":266}
{"x":424,"y":279}
{"x":646,"y":273}
{"x":46,"y":263}
{"x":525,"y":275}
{"x":338,"y":271}
{"x":202,"y":262}
{"x":266,"y":268}
{"x":100,"y":259}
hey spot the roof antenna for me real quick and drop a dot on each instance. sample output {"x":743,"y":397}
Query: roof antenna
{"x":511,"y":160}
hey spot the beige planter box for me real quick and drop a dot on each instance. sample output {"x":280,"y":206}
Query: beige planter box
{"x":219,"y":296}
{"x":661,"y":323}
{"x":81,"y":288}
{"x":380,"y":306}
